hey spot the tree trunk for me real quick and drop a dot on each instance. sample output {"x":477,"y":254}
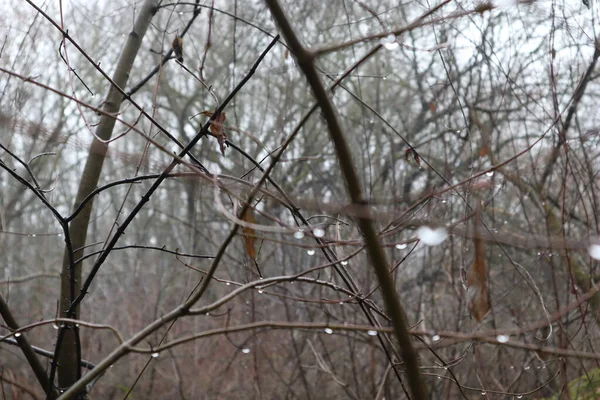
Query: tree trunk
{"x":69,"y":352}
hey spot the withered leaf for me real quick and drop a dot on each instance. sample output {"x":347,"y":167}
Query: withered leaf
{"x":217,"y":129}
{"x":415,"y":157}
{"x":222,"y":139}
{"x":477,"y":277}
{"x":178,"y":48}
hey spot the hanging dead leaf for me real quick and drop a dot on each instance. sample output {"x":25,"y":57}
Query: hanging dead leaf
{"x":217,"y":129}
{"x":178,"y":48}
{"x":477,"y":275}
{"x":222,"y":139}
{"x":432,"y":107}
{"x":410,"y":152}
{"x":417,"y":158}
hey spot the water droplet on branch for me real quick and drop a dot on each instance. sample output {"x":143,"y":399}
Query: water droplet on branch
{"x":502,"y":338}
{"x":432,"y":237}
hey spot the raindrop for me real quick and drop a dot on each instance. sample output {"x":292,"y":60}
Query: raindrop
{"x":328,"y":331}
{"x":299,"y":234}
{"x":372,"y":333}
{"x":344,"y":263}
{"x":490,"y":173}
{"x":318,"y":232}
{"x":155,"y":354}
{"x":55,"y":326}
{"x":310,"y":252}
{"x":389,"y":42}
{"x":527,"y":367}
{"x":60,"y":235}
{"x":483,"y":393}
{"x":227,"y":283}
{"x":34,"y":235}
{"x":17,"y":334}
{"x":502,"y":338}
{"x":432,"y":237}
{"x":401,"y":246}
{"x":594,"y":251}
{"x":245,"y":350}
{"x":520,"y":396}
{"x":436,"y":338}
{"x":260,"y":291}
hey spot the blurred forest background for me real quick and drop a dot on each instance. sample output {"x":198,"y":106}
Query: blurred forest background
{"x":470,"y":124}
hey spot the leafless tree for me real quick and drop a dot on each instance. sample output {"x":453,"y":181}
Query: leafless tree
{"x":285,"y":199}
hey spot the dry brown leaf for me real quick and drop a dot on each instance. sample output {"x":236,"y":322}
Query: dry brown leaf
{"x":178,"y":48}
{"x":432,"y":107}
{"x":417,"y":158}
{"x":477,"y":292}
{"x":411,"y":152}
{"x":217,"y":129}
